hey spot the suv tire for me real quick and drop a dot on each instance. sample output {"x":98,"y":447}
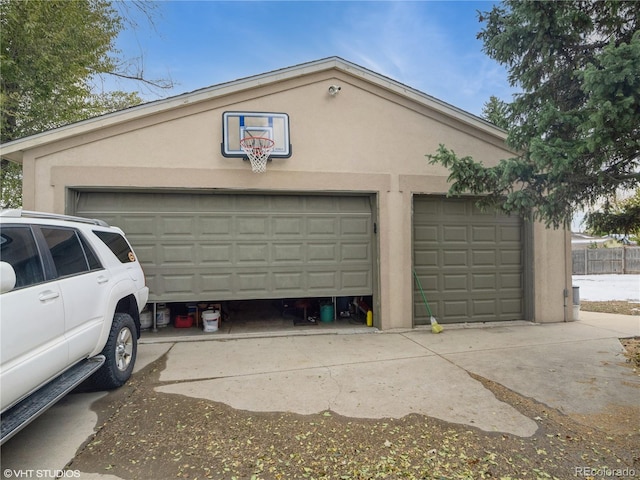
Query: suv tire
{"x":120,"y":353}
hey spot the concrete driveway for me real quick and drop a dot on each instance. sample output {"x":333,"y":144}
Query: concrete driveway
{"x":577,"y":368}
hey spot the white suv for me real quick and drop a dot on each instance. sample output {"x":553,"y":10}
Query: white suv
{"x":71,"y":292}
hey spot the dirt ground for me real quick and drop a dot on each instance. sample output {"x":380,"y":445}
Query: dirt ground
{"x":619,"y":307}
{"x":631,"y":345}
{"x":144,"y":434}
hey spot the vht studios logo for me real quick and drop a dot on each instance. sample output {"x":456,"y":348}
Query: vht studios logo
{"x":41,"y":473}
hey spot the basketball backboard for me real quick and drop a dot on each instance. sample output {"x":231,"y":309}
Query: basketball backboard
{"x":239,"y":125}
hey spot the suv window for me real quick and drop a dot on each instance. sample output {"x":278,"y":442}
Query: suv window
{"x":67,"y":251}
{"x":94,"y":263}
{"x":18,"y":248}
{"x":117,"y":244}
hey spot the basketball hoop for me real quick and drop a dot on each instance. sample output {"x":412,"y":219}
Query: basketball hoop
{"x":258,"y":150}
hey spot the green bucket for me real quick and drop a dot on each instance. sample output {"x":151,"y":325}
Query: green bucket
{"x":326,"y":313}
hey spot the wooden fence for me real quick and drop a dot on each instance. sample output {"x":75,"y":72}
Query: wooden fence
{"x":594,"y":261}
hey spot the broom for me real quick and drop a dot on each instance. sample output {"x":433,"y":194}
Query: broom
{"x":435,"y":326}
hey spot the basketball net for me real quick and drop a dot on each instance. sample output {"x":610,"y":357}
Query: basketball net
{"x":258,"y":150}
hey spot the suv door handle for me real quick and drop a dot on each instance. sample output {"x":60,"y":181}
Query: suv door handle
{"x":48,"y":295}
{"x":103,"y":279}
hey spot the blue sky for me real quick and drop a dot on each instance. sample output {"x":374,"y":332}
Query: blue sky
{"x":428,"y":45}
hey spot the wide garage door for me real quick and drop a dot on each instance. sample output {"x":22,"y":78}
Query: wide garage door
{"x":470,"y":263}
{"x":221,"y":246}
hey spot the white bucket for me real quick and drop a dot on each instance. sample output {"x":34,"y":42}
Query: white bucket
{"x":210,"y":320}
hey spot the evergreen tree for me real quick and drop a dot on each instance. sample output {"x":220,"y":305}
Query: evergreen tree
{"x":575,"y":127}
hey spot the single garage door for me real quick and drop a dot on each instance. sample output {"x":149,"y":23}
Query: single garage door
{"x":221,"y":246}
{"x":470,"y":263}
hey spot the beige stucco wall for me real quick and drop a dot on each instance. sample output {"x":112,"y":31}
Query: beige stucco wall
{"x":365,"y":139}
{"x":552,"y":274}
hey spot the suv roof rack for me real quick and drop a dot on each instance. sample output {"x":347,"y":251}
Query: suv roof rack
{"x":18,"y":213}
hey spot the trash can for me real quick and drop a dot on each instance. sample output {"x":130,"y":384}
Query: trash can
{"x":576,"y":303}
{"x":326,"y":312}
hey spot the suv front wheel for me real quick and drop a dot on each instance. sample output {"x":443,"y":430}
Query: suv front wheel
{"x":120,"y":353}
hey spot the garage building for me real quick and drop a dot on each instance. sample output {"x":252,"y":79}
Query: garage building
{"x":348,"y":205}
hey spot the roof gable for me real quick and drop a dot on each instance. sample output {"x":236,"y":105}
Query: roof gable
{"x":14,"y":150}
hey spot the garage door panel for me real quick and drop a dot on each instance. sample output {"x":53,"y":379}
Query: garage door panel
{"x":470,"y":262}
{"x":421,"y":310}
{"x":176,"y":226}
{"x":425,"y":257}
{"x":356,"y":281}
{"x":322,"y":253}
{"x":511,"y":306}
{"x":430,"y":281}
{"x":179,"y":255}
{"x":322,"y":280}
{"x":510,"y":234}
{"x":288,"y":253}
{"x":212,"y":285}
{"x":483,"y":233}
{"x":219,"y":203}
{"x":484,"y":307}
{"x":455,"y":283}
{"x":483,"y":257}
{"x":484,"y":281}
{"x":287,"y":281}
{"x":292,"y":203}
{"x":455,"y":234}
{"x":250,"y":282}
{"x":455,"y":309}
{"x":425,"y":210}
{"x":453,"y":258}
{"x":322,"y":204}
{"x":512,"y":258}
{"x":252,"y":226}
{"x":179,"y":283}
{"x":355,"y":252}
{"x":210,"y":228}
{"x":288,"y":227}
{"x":319,"y":226}
{"x":352,"y":204}
{"x":173,"y":202}
{"x":426,"y":235}
{"x":243,"y":246}
{"x":255,"y":254}
{"x":217,"y":255}
{"x":145,"y":253}
{"x":253,"y":203}
{"x":357,"y":226}
{"x":151,"y":280}
{"x":511,"y":281}
{"x":454,"y":207}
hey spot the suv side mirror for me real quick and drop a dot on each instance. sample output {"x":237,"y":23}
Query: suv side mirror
{"x":7,"y":277}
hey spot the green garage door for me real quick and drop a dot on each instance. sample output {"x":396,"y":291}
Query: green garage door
{"x":206,"y":246}
{"x":470,"y":263}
